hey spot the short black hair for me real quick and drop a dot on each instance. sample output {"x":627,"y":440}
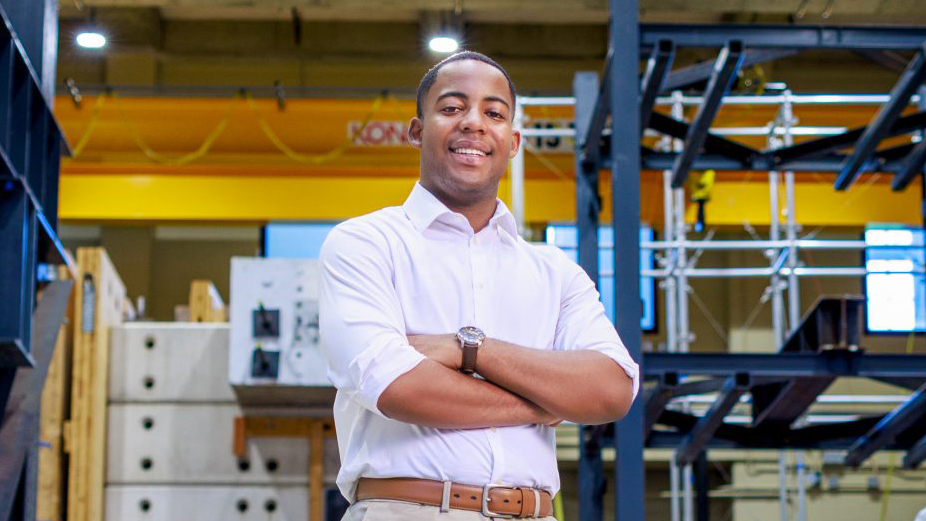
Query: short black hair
{"x":427,"y":81}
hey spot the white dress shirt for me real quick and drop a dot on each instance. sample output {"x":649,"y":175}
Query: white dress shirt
{"x":419,"y":269}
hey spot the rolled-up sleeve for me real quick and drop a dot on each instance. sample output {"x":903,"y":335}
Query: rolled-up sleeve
{"x":361,"y":322}
{"x":583,"y":324}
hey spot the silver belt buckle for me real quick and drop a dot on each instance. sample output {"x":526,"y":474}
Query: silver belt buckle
{"x":485,"y":502}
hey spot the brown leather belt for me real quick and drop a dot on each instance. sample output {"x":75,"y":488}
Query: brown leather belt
{"x":490,"y":500}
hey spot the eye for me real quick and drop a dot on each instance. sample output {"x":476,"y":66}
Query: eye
{"x":495,"y":114}
{"x":450,"y":109}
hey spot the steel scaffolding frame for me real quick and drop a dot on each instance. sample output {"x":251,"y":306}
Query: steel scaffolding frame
{"x":770,"y":379}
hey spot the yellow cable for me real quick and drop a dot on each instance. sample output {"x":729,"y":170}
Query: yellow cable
{"x":312,"y":159}
{"x":91,"y":126}
{"x":885,"y":496}
{"x":558,"y":512}
{"x":184,"y":159}
{"x":892,"y":462}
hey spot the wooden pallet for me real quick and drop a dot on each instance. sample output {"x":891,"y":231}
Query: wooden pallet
{"x":100,"y":300}
{"x":50,"y":494}
{"x":206,"y":304}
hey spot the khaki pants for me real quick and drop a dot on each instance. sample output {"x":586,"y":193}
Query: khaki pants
{"x":387,"y":510}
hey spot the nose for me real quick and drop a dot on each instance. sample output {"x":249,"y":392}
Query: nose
{"x":472,"y":121}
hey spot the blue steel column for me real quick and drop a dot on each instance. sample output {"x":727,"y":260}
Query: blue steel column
{"x":591,"y":468}
{"x":624,"y":87}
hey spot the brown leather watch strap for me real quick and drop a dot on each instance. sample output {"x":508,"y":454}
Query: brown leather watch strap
{"x":507,"y":501}
{"x":469,"y":359}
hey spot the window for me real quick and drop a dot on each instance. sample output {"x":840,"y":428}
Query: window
{"x":295,"y":240}
{"x":895,"y":300}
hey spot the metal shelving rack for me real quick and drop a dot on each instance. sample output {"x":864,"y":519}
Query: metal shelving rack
{"x":30,"y":147}
{"x":822,"y":347}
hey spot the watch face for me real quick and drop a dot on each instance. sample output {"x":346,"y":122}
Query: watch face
{"x":471,"y":335}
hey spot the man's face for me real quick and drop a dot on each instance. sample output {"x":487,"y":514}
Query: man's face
{"x":465,"y":134}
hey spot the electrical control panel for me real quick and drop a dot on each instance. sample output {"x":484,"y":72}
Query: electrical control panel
{"x":274,"y":324}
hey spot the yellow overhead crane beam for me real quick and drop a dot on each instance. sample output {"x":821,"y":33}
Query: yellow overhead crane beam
{"x":243,"y":160}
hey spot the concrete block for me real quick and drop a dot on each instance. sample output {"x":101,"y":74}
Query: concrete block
{"x":208,"y":503}
{"x":169,"y":362}
{"x":192,"y":444}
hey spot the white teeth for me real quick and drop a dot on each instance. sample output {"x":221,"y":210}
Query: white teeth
{"x":469,"y":151}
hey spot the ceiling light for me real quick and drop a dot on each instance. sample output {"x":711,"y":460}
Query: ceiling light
{"x":91,"y":40}
{"x":443,"y":44}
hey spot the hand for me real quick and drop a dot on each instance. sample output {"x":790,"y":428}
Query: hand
{"x":443,"y":349}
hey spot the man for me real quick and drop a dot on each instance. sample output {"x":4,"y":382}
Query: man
{"x":415,"y":299}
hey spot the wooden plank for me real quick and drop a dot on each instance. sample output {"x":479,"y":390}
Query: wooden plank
{"x":315,"y":429}
{"x":50,"y":494}
{"x":284,"y":426}
{"x":99,"y":303}
{"x":206,"y":304}
{"x":317,"y":472}
{"x":239,"y":439}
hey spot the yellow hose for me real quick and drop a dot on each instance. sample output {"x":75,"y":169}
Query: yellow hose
{"x":311,"y":159}
{"x":91,"y":126}
{"x":184,"y":159}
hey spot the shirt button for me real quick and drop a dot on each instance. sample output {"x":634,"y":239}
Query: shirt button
{"x":482,"y":285}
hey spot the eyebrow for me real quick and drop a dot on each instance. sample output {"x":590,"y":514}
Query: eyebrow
{"x":461,"y":95}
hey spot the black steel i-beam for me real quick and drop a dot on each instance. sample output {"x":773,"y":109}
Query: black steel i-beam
{"x":703,"y":431}
{"x":657,"y":67}
{"x":725,"y":68}
{"x":911,"y":166}
{"x":805,"y":37}
{"x":588,"y":138}
{"x":691,"y":74}
{"x":656,"y":400}
{"x":712,"y":143}
{"x":916,"y":454}
{"x":624,"y":29}
{"x":888,"y":428}
{"x":784,"y":403}
{"x":591,"y":469}
{"x":910,"y":80}
{"x":820,"y":146}
{"x":588,"y":200}
{"x":782,"y":366}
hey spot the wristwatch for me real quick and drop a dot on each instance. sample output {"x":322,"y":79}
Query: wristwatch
{"x":471,"y":339}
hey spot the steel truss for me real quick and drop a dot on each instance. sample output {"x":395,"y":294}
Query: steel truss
{"x":781,"y":385}
{"x":30,"y":148}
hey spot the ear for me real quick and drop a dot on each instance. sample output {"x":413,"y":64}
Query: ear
{"x":515,"y":143}
{"x":415,"y":126}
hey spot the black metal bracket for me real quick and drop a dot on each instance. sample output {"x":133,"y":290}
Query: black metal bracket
{"x":912,"y":166}
{"x":725,"y":68}
{"x":703,"y":431}
{"x":657,"y":67}
{"x":910,"y":80}
{"x":900,"y":419}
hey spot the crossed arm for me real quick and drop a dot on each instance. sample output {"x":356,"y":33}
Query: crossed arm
{"x":365,"y":344}
{"x":523,"y":386}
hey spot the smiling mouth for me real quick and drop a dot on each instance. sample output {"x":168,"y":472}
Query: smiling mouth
{"x":469,"y":152}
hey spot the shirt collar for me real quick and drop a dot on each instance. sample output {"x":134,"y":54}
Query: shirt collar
{"x":423,"y":208}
